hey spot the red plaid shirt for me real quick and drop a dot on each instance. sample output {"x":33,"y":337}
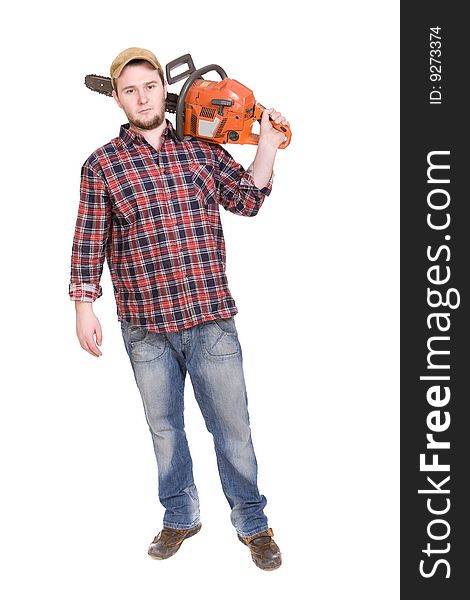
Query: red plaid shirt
{"x":154,"y":216}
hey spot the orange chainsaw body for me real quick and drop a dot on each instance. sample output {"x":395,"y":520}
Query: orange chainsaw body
{"x":222,"y":111}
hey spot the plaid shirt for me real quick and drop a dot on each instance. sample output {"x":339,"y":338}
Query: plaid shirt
{"x":154,"y":216}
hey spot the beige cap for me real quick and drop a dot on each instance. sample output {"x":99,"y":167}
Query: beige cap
{"x":129,"y":54}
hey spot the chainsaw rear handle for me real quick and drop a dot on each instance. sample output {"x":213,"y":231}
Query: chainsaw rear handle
{"x":253,"y":138}
{"x":180,"y":106}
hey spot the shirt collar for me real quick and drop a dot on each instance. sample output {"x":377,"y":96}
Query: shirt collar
{"x":131,"y":137}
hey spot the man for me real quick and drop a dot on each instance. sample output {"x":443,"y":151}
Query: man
{"x":149,"y":205}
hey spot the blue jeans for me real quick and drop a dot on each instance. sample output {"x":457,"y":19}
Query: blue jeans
{"x":212,"y":355}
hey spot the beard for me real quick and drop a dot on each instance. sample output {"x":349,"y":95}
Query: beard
{"x":155,"y":122}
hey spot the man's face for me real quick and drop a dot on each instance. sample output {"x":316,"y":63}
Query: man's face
{"x":141,"y":95}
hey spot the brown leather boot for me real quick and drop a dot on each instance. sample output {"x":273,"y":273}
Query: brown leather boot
{"x":168,"y":541}
{"x":264,"y":550}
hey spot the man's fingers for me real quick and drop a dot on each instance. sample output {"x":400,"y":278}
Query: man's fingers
{"x":86,"y":347}
{"x":90,"y":346}
{"x":276,"y":116}
{"x":93,"y":348}
{"x":99,"y":335}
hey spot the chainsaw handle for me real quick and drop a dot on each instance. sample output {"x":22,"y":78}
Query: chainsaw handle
{"x":253,"y":138}
{"x":177,"y":62}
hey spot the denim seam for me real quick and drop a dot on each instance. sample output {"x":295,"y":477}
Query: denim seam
{"x":222,"y":473}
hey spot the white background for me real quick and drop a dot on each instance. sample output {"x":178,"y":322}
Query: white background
{"x":314,"y":275}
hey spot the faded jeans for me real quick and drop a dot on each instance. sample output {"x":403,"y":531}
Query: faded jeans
{"x":212,"y":355}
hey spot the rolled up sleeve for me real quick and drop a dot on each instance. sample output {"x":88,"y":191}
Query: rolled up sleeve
{"x":237,"y":191}
{"x":91,"y":234}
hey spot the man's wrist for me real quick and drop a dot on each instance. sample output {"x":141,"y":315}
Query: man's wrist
{"x":81,"y":306}
{"x":267,"y":144}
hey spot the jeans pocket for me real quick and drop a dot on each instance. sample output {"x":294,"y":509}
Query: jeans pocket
{"x":220,"y":339}
{"x":145,"y":345}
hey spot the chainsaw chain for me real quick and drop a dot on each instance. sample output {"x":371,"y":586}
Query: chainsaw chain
{"x":171,"y":102}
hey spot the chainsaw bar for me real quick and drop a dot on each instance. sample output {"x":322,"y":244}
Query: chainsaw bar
{"x":103,"y":85}
{"x":99,"y":84}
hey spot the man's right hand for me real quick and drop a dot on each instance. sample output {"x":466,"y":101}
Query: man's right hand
{"x":88,"y":328}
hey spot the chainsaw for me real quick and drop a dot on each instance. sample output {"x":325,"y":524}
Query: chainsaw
{"x":217,"y":111}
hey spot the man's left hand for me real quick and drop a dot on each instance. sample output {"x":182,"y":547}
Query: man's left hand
{"x":268,"y":134}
